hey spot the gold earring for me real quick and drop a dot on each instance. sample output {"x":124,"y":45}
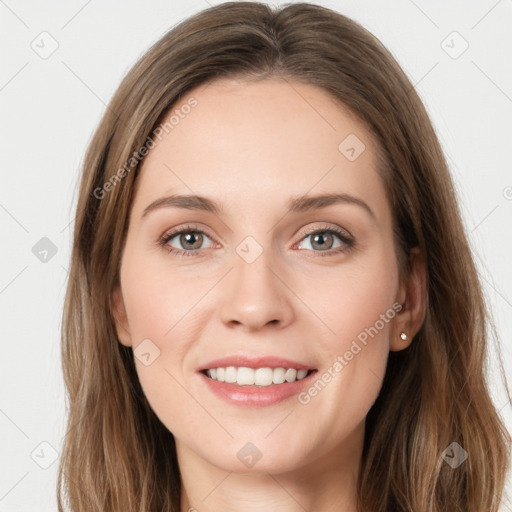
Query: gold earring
{"x":403,"y":336}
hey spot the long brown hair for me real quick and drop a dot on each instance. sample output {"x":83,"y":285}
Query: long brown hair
{"x":117,"y":455}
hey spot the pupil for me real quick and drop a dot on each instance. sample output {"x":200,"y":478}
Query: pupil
{"x":320,"y":236}
{"x":188,"y":237}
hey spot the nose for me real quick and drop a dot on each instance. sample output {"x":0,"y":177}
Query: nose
{"x":255,"y":294}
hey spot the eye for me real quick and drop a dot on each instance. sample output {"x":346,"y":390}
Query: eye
{"x":189,"y":238}
{"x":190,"y":241}
{"x":324,"y":240}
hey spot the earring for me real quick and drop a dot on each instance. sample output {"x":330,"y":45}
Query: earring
{"x":403,"y":336}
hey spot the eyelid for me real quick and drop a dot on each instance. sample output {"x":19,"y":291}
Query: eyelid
{"x":343,"y":234}
{"x":327,"y":227}
{"x":171,"y":233}
{"x":308,"y":231}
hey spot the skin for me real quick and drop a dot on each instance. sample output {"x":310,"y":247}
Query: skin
{"x":251,"y":146}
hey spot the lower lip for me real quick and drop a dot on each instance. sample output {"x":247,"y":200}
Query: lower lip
{"x":256,"y":396}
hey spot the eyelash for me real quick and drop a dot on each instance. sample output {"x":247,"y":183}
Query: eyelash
{"x":348,"y":241}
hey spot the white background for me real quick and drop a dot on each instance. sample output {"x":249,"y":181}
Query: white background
{"x":50,"y":108}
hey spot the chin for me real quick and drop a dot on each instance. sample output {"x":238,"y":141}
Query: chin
{"x":247,"y":458}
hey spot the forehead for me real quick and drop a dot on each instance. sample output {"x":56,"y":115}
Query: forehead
{"x":245,"y":141}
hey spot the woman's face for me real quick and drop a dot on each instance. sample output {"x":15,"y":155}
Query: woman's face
{"x":266,"y":279}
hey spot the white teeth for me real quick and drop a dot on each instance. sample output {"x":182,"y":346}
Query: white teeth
{"x":290,"y":375}
{"x":263,"y":376}
{"x":301,"y":374}
{"x":244,"y":376}
{"x":278,"y":375}
{"x":230,"y":374}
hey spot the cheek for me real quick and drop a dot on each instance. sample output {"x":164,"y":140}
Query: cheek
{"x":157,"y":303}
{"x":355,"y":303}
{"x":160,"y":308}
{"x":157,"y":298}
{"x":357,"y":308}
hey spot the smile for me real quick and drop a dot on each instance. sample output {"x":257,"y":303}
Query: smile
{"x":244,"y":376}
{"x":256,"y":387}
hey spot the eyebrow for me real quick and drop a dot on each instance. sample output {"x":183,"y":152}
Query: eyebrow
{"x":294,"y":205}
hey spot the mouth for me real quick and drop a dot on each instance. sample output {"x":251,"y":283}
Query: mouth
{"x":259,"y":377}
{"x":247,"y":387}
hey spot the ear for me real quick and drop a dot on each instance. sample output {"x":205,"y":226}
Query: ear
{"x":120,"y":318}
{"x":413,"y":298}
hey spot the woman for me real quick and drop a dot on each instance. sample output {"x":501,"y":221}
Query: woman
{"x":273,"y":302}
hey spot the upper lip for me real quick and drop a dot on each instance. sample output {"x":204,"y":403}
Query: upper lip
{"x":255,"y":362}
